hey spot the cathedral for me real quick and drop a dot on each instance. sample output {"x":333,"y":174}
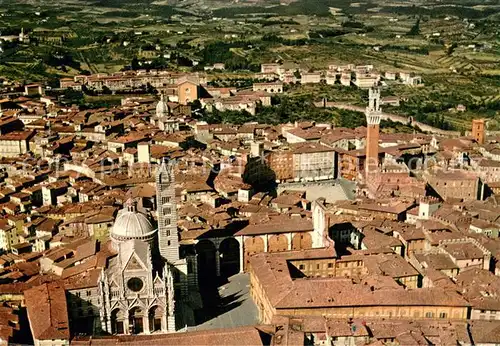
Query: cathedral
{"x":163,"y":117}
{"x":149,"y":287}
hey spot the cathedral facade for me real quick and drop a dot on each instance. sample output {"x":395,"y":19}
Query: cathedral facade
{"x":148,"y":287}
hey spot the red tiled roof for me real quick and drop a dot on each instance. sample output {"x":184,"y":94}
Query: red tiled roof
{"x":47,"y":312}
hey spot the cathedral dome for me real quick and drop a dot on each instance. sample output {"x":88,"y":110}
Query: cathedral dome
{"x":131,"y":224}
{"x":162,"y":109}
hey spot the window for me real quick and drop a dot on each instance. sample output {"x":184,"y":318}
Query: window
{"x":167,"y":211}
{"x":167,"y":222}
{"x":330,"y":265}
{"x":302,"y":267}
{"x":317,"y":266}
{"x":165,"y":200}
{"x":88,"y":293}
{"x":135,"y":284}
{"x":429,"y":315}
{"x":442,"y":315}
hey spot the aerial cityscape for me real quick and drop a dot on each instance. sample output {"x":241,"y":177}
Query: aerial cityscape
{"x":250,"y":172}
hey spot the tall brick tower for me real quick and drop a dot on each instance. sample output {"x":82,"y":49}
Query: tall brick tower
{"x":478,"y":129}
{"x":373,"y":114}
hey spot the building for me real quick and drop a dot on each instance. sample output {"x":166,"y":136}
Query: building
{"x":270,"y":68}
{"x":187,"y":90}
{"x":313,"y":161}
{"x":8,"y":236}
{"x":47,"y":314}
{"x":33,"y":89}
{"x":456,"y":184}
{"x":288,"y":284}
{"x":372,"y":136}
{"x":136,"y":270}
{"x":310,"y":77}
{"x":281,"y":163}
{"x":351,"y":163}
{"x":478,"y":130}
{"x":163,"y":117}
{"x":244,"y":336}
{"x":366,"y":80}
{"x":276,"y":235}
{"x":15,"y":143}
{"x":481,"y":288}
{"x":269,"y":87}
{"x":149,"y":264}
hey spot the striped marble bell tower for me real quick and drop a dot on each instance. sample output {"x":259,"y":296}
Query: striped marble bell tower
{"x":168,"y":239}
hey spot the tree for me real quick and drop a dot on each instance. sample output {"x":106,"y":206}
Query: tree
{"x":71,"y":96}
{"x":415,"y":29}
{"x":135,"y":64}
{"x":451,"y":48}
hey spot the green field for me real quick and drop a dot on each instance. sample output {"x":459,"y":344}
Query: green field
{"x":455,"y":47}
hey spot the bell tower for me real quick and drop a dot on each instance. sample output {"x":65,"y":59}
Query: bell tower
{"x":168,"y":238}
{"x":373,"y":114}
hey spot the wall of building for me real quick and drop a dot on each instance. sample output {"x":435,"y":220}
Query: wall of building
{"x":403,"y":311}
{"x":477,"y":314}
{"x":314,"y":166}
{"x":275,"y":243}
{"x":13,"y":148}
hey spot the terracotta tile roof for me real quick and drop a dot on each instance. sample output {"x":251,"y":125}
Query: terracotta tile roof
{"x":463,"y":250}
{"x":436,"y":261}
{"x":481,"y":288}
{"x":280,"y":224}
{"x":47,"y":312}
{"x":485,"y":332}
{"x":283,"y":292}
{"x":245,"y":336}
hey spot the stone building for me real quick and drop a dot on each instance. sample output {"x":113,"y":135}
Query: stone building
{"x":137,"y":288}
{"x":269,"y":87}
{"x":15,"y":143}
{"x":147,"y":287}
{"x":456,"y":184}
{"x":283,"y":284}
{"x":163,"y":117}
